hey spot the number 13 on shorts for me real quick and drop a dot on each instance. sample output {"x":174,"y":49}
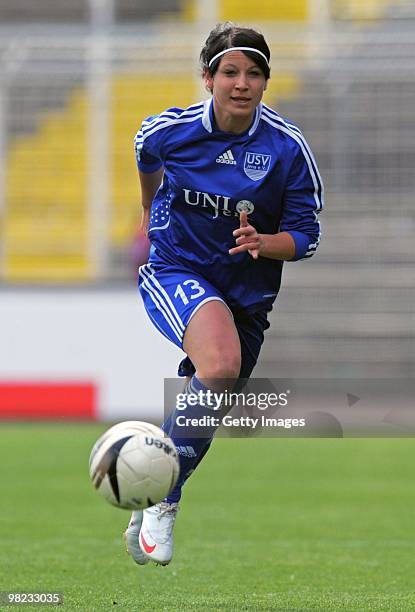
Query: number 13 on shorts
{"x":193,"y":290}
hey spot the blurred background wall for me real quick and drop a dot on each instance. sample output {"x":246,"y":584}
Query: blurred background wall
{"x":77,"y":78}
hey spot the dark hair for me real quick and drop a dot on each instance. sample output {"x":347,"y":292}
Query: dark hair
{"x":228,"y":34}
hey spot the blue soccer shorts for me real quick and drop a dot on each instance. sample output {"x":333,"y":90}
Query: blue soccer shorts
{"x":172,"y":295}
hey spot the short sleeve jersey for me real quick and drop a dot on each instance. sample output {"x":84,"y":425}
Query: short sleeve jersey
{"x":210,"y":176}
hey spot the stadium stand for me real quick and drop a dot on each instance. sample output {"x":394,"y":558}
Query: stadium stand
{"x":267,"y":10}
{"x":77,"y":11}
{"x":45,"y":226}
{"x":367,"y":9}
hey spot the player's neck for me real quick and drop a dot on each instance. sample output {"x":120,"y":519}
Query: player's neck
{"x":226,"y":122}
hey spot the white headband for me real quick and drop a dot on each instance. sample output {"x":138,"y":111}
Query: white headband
{"x":215,"y":57}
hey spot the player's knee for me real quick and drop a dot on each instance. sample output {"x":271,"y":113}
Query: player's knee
{"x":221,"y":365}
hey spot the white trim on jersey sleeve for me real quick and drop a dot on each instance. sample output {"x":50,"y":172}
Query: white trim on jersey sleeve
{"x":170,"y":116}
{"x":273,"y":119}
{"x":163,"y":122}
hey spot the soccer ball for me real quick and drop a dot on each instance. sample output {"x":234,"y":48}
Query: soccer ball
{"x":133,"y":465}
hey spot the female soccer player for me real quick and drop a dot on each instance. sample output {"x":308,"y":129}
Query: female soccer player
{"x":230,"y":190}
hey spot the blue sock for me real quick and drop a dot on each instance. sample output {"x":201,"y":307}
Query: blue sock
{"x":191,"y":449}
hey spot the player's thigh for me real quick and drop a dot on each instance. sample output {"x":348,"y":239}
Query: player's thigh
{"x":212,"y":343}
{"x":177,"y":300}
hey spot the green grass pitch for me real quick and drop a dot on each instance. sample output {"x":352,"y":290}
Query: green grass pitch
{"x":265,"y":524}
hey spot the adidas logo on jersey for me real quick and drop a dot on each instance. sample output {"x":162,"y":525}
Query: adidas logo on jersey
{"x":226,"y":158}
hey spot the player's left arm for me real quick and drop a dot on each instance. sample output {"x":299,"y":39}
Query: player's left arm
{"x":299,"y":231}
{"x":274,"y":246}
{"x":303,"y":202}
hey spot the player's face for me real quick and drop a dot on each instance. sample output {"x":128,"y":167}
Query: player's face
{"x":237,"y":87}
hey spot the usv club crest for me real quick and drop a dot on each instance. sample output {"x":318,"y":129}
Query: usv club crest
{"x":256,"y":165}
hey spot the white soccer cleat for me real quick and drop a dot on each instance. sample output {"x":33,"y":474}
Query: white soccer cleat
{"x":131,"y":537}
{"x":156,"y":535}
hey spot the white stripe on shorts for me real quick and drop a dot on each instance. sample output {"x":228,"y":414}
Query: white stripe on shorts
{"x":158,"y":294}
{"x":163,"y":293}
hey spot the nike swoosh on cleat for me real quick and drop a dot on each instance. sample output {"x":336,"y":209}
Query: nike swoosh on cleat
{"x":147,"y":548}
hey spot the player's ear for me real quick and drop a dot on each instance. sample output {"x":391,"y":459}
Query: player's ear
{"x":208,"y":78}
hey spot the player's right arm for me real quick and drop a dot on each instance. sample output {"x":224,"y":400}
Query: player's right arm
{"x":147,"y":143}
{"x":149,"y":182}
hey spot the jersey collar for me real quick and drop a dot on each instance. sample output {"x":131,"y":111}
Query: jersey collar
{"x":207,"y":117}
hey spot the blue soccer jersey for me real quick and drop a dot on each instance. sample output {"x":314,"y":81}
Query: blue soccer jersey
{"x":210,"y":176}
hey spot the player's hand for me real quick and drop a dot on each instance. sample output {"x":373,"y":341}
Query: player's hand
{"x":246,"y":238}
